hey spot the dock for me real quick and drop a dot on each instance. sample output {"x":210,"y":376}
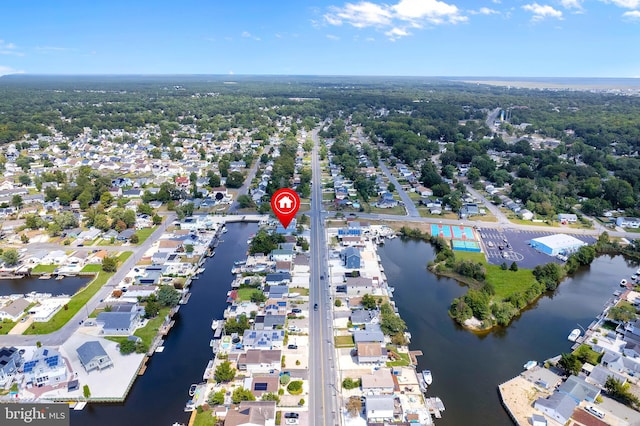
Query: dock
{"x":413,"y":355}
{"x":435,"y":406}
{"x":218,"y":332}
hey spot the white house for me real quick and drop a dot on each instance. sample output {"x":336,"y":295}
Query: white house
{"x":628,"y":222}
{"x":379,"y":408}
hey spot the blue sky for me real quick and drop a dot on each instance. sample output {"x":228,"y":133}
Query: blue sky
{"x":543,"y":38}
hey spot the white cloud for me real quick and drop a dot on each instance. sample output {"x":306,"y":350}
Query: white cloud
{"x":484,"y":11}
{"x":246,"y":34}
{"x":541,"y":12}
{"x":627,"y":4}
{"x":572,"y":4}
{"x":9,"y":49}
{"x":333,"y":37}
{"x":632,"y":15}
{"x":394,"y":19}
{"x":51,"y":49}
{"x":8,"y":70}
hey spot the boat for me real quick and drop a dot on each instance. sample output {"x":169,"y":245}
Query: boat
{"x":45,"y":277}
{"x":575,"y":333}
{"x":623,"y":282}
{"x":215,"y":324}
{"x":190,"y":406}
{"x":529,"y":365}
{"x":192,"y":389}
{"x":426,"y":375}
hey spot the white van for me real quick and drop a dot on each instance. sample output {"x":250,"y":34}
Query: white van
{"x":593,"y":410}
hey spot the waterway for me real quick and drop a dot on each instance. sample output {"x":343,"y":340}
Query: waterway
{"x":68,"y":286}
{"x":467,"y":368}
{"x":158,"y":397}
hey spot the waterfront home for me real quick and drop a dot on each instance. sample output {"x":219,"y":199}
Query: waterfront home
{"x":46,"y":367}
{"x":277,"y":278}
{"x":301,"y":264}
{"x":169,"y":245}
{"x":252,"y":413}
{"x":10,"y":360}
{"x":359,"y":286}
{"x":269,"y":322}
{"x":47,"y":308}
{"x":578,"y":389}
{"x":599,"y":375}
{"x":122,"y":320}
{"x":260,"y":384}
{"x":274,"y":306}
{"x":13,"y":310}
{"x":263,"y":339}
{"x":259,"y":361}
{"x":350,"y":257}
{"x":364,"y":316}
{"x":378,"y":382}
{"x":379,"y":408}
{"x":93,"y":356}
{"x":276,"y":291}
{"x":558,"y":406}
{"x":281,"y":230}
{"x":280,"y":255}
{"x":372,"y":333}
{"x":55,"y":257}
{"x":370,"y":353}
{"x":283,"y":267}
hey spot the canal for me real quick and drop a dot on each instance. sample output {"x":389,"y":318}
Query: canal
{"x":68,"y":286}
{"x":467,"y":368}
{"x":158,"y":397}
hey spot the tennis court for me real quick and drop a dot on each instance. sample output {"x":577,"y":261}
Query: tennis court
{"x":463,"y":233}
{"x":443,"y":231}
{"x":463,"y":245}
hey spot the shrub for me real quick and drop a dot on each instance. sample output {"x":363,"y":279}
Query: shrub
{"x":295,"y":387}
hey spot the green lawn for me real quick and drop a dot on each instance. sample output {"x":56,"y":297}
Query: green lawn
{"x":108,"y":243}
{"x":74,"y":305}
{"x":92,"y":268}
{"x":302,"y":291}
{"x":5,"y":326}
{"x":204,"y":418}
{"x":344,"y":342}
{"x":328,"y":196}
{"x":403,"y":361}
{"x":245,"y":293}
{"x":468,"y":255}
{"x":144,"y":233}
{"x":149,"y":331}
{"x":44,"y":269}
{"x":124,"y":256}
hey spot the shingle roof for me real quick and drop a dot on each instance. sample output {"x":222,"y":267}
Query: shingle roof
{"x":90,"y":350}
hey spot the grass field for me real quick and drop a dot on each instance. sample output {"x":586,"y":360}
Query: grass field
{"x":246,"y":292}
{"x":5,"y":326}
{"x":124,"y":256}
{"x":301,"y":290}
{"x":505,"y":282}
{"x":149,"y":331}
{"x":92,"y":268}
{"x":44,"y":269}
{"x":344,"y":342}
{"x":204,"y":418}
{"x":75,"y":304}
{"x":144,"y":233}
{"x":403,"y":361}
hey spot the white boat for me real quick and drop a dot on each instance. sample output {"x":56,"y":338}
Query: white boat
{"x":192,"y":389}
{"x":215,"y":324}
{"x":426,"y":375}
{"x":575,"y":333}
{"x":623,"y":282}
{"x":529,"y":365}
{"x":190,"y":406}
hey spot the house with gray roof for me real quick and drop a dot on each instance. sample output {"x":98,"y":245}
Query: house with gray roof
{"x":379,"y":408}
{"x":122,"y":320}
{"x":10,"y":360}
{"x":259,"y":361}
{"x":276,"y":291}
{"x":269,"y":322}
{"x":579,"y":390}
{"x":558,"y":406}
{"x":600,"y":374}
{"x":372,"y":334}
{"x":364,"y":316}
{"x":14,"y":309}
{"x":277,"y":278}
{"x":359,"y":286}
{"x":93,"y":356}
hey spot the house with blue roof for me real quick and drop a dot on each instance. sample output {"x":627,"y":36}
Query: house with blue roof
{"x":93,"y":356}
{"x":278,"y":278}
{"x":263,"y":339}
{"x":350,"y":258}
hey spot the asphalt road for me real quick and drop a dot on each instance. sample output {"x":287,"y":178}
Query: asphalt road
{"x":502,"y":218}
{"x":245,"y":186}
{"x":409,"y":206}
{"x":58,"y":337}
{"x":322,"y":392}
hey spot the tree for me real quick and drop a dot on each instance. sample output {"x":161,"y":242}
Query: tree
{"x":168,"y":296}
{"x":214,"y":180}
{"x":245,"y":201}
{"x":217,"y":398}
{"x":224,"y":372}
{"x":109,"y":264}
{"x":235,"y":180}
{"x":24,"y":238}
{"x":188,"y":248}
{"x":134,"y":239}
{"x":354,"y":406}
{"x":157,"y":219}
{"x":242,"y":394}
{"x":24,"y":180}
{"x":295,"y":387}
{"x":10,"y":257}
{"x":270,"y":396}
{"x":570,"y":363}
{"x":151,"y":307}
{"x":514,"y":266}
{"x":106,"y":199}
{"x":258,"y":297}
{"x":101,"y":222}
{"x":16,"y":201}
{"x":54,"y":229}
{"x":368,"y":302}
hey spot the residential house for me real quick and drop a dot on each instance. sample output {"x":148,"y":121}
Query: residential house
{"x":281,"y":255}
{"x":283,"y":267}
{"x":277,"y":278}
{"x":628,"y":222}
{"x":599,"y":375}
{"x":93,"y":356}
{"x":276,"y":291}
{"x":558,"y":406}
{"x":370,"y":353}
{"x":526,"y":214}
{"x":364,"y":316}
{"x":565,"y":218}
{"x":378,"y":382}
{"x":169,"y":245}
{"x":269,"y":322}
{"x":259,"y":361}
{"x":350,"y":258}
{"x":578,"y":389}
{"x":372,"y":333}
{"x":252,"y":413}
{"x":14,"y":309}
{"x":125,"y":234}
{"x":359,"y":286}
{"x":263,"y":339}
{"x":10,"y":360}
{"x":122,"y":320}
{"x":45,"y":368}
{"x":379,"y":408}
{"x":259,"y":384}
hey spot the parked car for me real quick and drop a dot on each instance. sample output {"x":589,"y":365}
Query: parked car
{"x":296,"y":311}
{"x":292,"y":347}
{"x":315,"y":307}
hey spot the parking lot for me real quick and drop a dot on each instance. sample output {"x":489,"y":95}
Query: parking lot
{"x":515,"y":247}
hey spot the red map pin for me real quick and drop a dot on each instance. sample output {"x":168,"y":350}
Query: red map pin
{"x":285,"y":204}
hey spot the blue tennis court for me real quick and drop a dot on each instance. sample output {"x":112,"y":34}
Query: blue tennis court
{"x":443,"y":231}
{"x":462,"y":233}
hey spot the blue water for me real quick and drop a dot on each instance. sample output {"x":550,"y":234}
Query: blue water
{"x":68,"y":286}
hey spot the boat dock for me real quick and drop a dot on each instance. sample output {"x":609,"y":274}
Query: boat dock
{"x":413,"y":355}
{"x":218,"y":331}
{"x":435,"y":406}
